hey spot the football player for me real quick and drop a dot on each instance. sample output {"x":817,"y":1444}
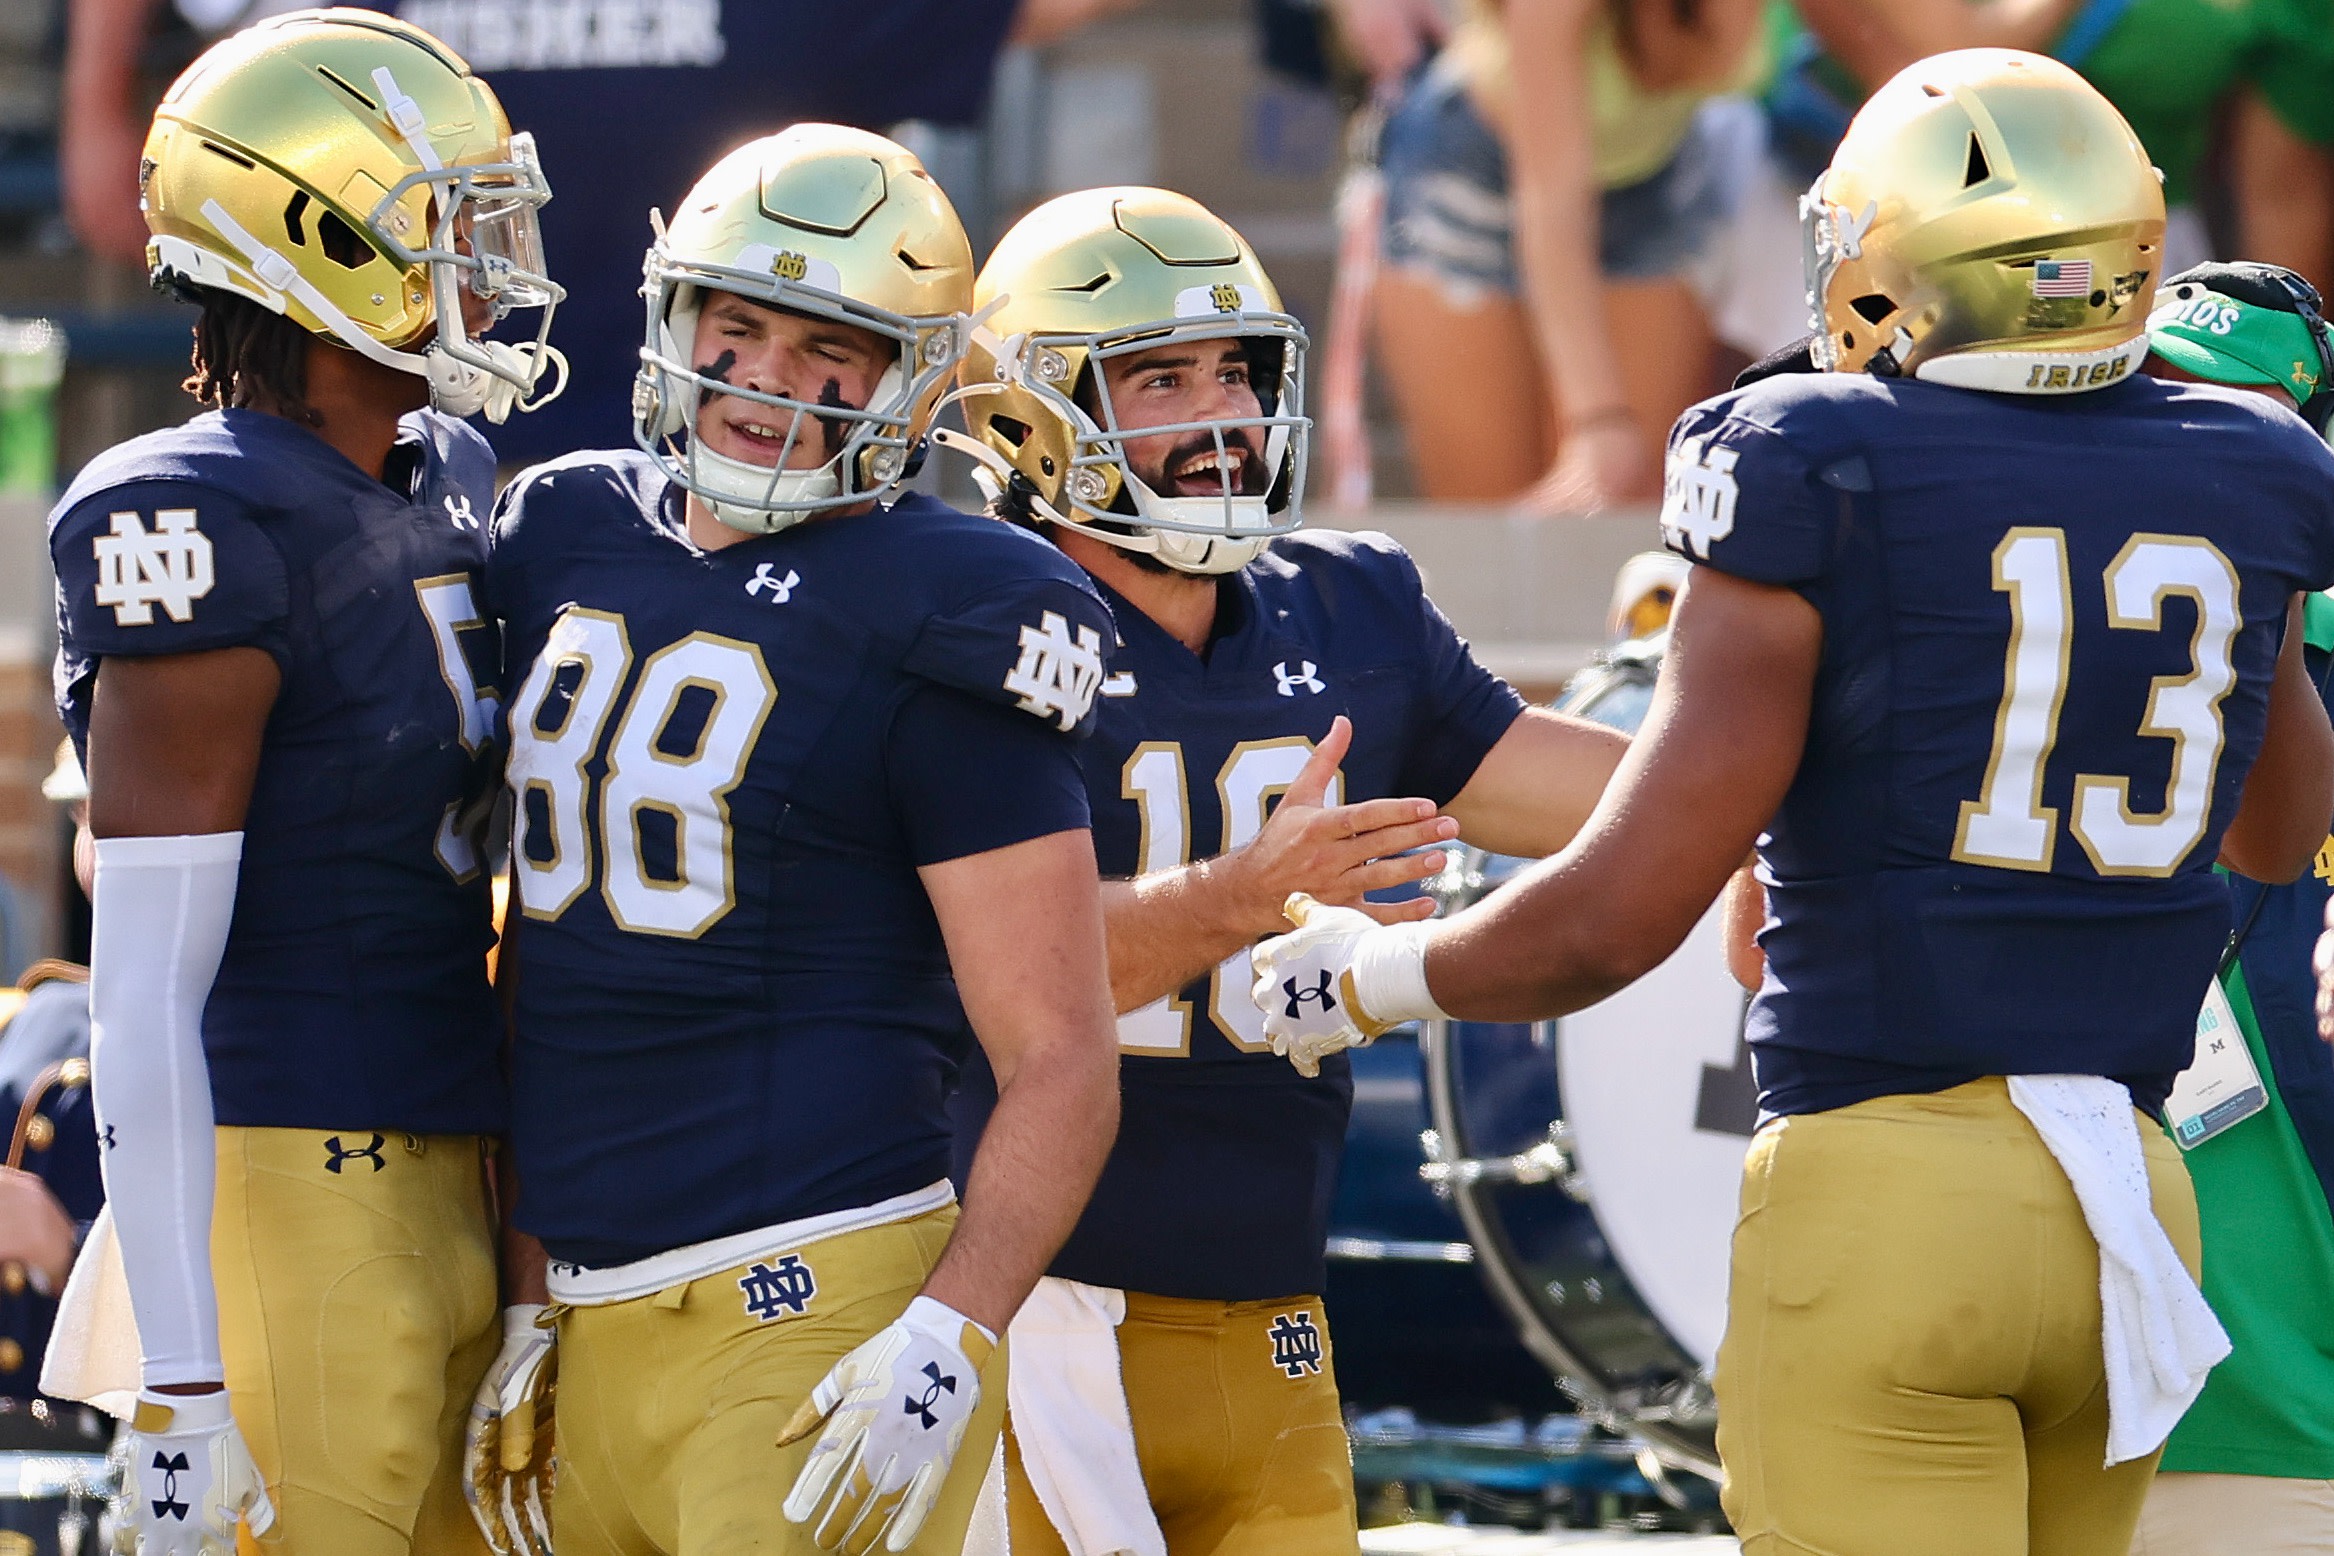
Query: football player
{"x":272,"y":651}
{"x":1992,"y":642}
{"x":1286,"y":712}
{"x":796,"y":798}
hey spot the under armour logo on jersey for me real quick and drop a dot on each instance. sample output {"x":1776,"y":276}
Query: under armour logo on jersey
{"x":1304,"y":677}
{"x":787,"y":1288}
{"x":1296,"y":1343}
{"x":336,"y":1155}
{"x":167,"y":1505}
{"x":766,"y":577}
{"x":1697,"y":497}
{"x":139,"y":568}
{"x":458,"y":509}
{"x":922,"y":1408}
{"x":1058,"y":673}
{"x":1298,"y":996}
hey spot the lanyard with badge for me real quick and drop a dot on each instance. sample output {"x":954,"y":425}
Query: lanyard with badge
{"x":2221,"y":1087}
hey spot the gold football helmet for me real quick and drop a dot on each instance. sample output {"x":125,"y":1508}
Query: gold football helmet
{"x":1102,"y":274}
{"x":820,"y":220}
{"x":1990,"y":221}
{"x":346,"y":169}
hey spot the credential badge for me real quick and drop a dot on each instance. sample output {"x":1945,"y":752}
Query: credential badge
{"x":139,"y":568}
{"x":1058,"y":673}
{"x":1698,"y":494}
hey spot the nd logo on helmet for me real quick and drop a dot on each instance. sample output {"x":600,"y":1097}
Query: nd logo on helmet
{"x":789,"y":266}
{"x":1225,"y":296}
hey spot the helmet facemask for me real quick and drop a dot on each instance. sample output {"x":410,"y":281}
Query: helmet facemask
{"x":1103,"y":495}
{"x":870,"y":449}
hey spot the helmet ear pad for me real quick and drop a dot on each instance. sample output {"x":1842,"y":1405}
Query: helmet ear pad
{"x":678,"y":332}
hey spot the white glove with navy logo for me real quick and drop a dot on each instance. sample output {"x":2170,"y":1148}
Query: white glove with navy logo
{"x":1304,"y":984}
{"x":895,"y":1412}
{"x":191,"y":1479}
{"x":507,"y":1454}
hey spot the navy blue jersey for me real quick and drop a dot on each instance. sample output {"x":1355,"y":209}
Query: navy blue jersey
{"x":1220,"y":1183}
{"x":353,"y":991}
{"x":2049,"y":628}
{"x":734,"y":1006}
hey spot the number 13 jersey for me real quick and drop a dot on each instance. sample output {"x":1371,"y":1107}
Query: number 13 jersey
{"x":734,"y":1007}
{"x":2049,"y":627}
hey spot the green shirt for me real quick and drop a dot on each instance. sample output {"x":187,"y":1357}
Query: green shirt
{"x":2165,"y":65}
{"x":2268,"y":1267}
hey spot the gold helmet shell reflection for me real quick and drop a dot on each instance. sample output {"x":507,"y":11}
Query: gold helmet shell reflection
{"x":1989,"y":220}
{"x":1107,"y":271}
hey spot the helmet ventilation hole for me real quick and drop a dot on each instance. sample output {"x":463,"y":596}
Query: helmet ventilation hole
{"x":236,"y":157}
{"x":1874,"y":306}
{"x":341,"y":243}
{"x":1095,"y":285}
{"x":1848,"y":340}
{"x":1978,"y":170}
{"x":292,"y":213}
{"x":1012,"y":429}
{"x":335,"y":78}
{"x":912,"y":262}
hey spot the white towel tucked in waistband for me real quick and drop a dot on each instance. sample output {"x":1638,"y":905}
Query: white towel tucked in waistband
{"x":2158,"y":1334}
{"x":1068,"y":1403}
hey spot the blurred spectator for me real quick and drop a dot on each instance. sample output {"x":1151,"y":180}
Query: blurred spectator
{"x":627,"y":99}
{"x":2249,"y":1471}
{"x":2168,"y":65}
{"x":1551,"y":184}
{"x":1388,"y":39}
{"x":2283,"y":162}
{"x":47,"y":1205}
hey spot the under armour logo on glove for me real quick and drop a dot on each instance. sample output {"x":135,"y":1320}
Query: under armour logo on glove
{"x":139,"y":568}
{"x":766,"y":577}
{"x":167,"y":1505}
{"x":1306,"y":676}
{"x":923,"y":1407}
{"x":877,"y":1469}
{"x":336,"y":1155}
{"x":1298,"y":996}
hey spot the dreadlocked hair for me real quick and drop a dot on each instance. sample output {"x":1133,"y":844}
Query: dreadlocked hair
{"x":249,"y":357}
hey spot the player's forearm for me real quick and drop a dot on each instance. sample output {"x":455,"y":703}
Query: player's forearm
{"x":160,"y":918}
{"x":1877,"y":38}
{"x":2287,"y":804}
{"x":1171,"y":926}
{"x":1536,"y":788}
{"x":1038,"y":1159}
{"x":102,"y":38}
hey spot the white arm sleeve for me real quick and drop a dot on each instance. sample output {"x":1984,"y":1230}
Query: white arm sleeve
{"x":158,"y":928}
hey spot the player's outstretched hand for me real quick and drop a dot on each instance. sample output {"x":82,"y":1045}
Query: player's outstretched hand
{"x":191,"y":1479}
{"x":1304,"y":985}
{"x":1335,"y":853}
{"x":508,"y":1452}
{"x":895,"y":1412}
{"x":2323,"y":960}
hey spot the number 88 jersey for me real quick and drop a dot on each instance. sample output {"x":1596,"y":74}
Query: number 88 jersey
{"x":734,"y":1007}
{"x":2049,"y":631}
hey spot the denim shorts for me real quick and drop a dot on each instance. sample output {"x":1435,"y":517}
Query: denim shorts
{"x":1448,"y":213}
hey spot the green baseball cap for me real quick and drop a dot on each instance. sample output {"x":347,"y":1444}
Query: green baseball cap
{"x":2239,"y":324}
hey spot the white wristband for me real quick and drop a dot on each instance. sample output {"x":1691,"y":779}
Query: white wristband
{"x":1389,"y":975}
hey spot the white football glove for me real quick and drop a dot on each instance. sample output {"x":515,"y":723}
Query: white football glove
{"x":508,"y":1461}
{"x":191,"y":1479}
{"x":895,"y":1410}
{"x":1304,"y":984}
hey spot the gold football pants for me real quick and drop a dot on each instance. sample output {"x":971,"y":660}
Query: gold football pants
{"x":670,"y":1406}
{"x":1912,"y":1361}
{"x":357,"y":1314}
{"x":1237,"y":1430}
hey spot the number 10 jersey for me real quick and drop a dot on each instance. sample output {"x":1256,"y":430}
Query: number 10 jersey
{"x":2049,"y":631}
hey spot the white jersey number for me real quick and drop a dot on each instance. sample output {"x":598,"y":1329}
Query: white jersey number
{"x":2007,"y":825}
{"x":682,"y":740}
{"x":1255,"y":774}
{"x":451,"y":609}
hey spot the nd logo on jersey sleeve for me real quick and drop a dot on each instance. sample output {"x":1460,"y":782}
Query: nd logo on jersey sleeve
{"x":138,"y":568}
{"x":1698,"y":496}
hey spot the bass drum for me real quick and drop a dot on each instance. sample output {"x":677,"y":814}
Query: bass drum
{"x":1602,"y":1228}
